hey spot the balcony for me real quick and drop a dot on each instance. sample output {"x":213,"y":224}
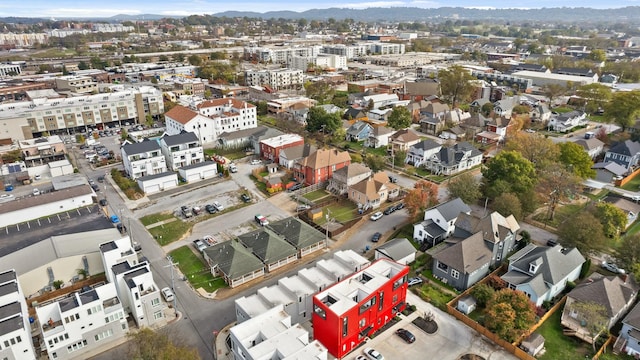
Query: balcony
{"x":51,"y":328}
{"x":111,"y":305}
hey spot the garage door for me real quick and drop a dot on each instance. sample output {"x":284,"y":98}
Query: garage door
{"x":193,"y":177}
{"x":168,"y":185}
{"x":152,"y":189}
{"x":210,"y":173}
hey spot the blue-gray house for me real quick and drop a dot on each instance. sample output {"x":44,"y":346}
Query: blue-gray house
{"x":359,"y":131}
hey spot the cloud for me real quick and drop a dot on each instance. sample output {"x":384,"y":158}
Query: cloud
{"x":80,"y":12}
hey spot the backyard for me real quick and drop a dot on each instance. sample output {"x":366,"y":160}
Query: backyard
{"x":316,"y":195}
{"x":633,"y":184}
{"x":560,"y":346}
{"x":195,"y":270}
{"x":342,"y":211}
{"x":562,"y":213}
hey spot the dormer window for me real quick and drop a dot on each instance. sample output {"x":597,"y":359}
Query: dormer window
{"x":535,"y":265}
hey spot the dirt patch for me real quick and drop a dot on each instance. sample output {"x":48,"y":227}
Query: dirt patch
{"x":471,"y":357}
{"x":428,"y":326}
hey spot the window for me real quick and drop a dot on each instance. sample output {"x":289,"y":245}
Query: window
{"x":320,"y":311}
{"x":155,"y":302}
{"x":157,"y":315}
{"x":345,"y":326}
{"x":362,"y":323}
{"x":455,"y":274}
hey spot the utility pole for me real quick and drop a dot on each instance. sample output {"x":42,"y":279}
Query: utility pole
{"x":326,"y":238}
{"x":175,"y":295}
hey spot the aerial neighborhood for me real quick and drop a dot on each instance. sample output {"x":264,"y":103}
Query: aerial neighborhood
{"x":321,"y":185}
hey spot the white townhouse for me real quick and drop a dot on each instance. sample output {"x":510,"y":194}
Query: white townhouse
{"x":209,"y":119}
{"x":15,"y":330}
{"x":181,"y":150}
{"x":143,"y":158}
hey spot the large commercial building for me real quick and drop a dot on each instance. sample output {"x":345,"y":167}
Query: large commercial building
{"x":345,"y":314}
{"x":275,"y":79}
{"x":28,"y":119}
{"x":322,"y":61}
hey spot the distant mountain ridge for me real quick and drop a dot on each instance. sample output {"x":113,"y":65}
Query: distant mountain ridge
{"x":630,"y":14}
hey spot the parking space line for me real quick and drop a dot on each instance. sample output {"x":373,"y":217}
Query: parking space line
{"x":6,"y":229}
{"x":39,"y":223}
{"x":58,"y":215}
{"x":79,"y":213}
{"x":18,"y":227}
{"x":29,"y":224}
{"x":49,"y":220}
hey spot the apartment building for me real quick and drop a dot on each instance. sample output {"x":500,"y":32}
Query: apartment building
{"x":76,"y":84}
{"x":22,"y":40}
{"x":278,"y":55}
{"x":345,"y":314}
{"x":15,"y":330}
{"x":321,"y":61}
{"x":348,"y":51}
{"x":28,"y":119}
{"x":275,"y":79}
{"x":181,"y":150}
{"x":143,"y":158}
{"x":211,"y":118}
{"x":10,"y":69}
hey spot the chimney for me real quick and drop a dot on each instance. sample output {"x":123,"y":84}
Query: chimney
{"x":624,"y":277}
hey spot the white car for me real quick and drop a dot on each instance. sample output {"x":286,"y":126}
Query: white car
{"x":372,"y":354}
{"x":167,"y":294}
{"x":255,"y":162}
{"x":218,"y":206}
{"x":612,"y":267}
{"x":36,"y":192}
{"x":376,"y":216}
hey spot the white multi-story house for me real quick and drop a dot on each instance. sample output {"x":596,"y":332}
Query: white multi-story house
{"x":567,"y":121}
{"x":76,"y":325}
{"x":15,"y":331}
{"x":276,"y":79}
{"x":142,"y":159}
{"x":27,"y":119}
{"x":210,"y":119}
{"x":135,"y":286}
{"x":439,"y":222}
{"x":181,"y":150}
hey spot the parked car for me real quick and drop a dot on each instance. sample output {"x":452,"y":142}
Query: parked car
{"x":167,"y":294}
{"x":121,"y":228}
{"x":414,"y":281}
{"x":95,"y":187}
{"x":552,"y":242}
{"x":114,"y":219}
{"x":37,"y":177}
{"x":303,"y":207}
{"x":400,"y":206}
{"x":376,"y":237}
{"x":612,"y":267}
{"x":376,"y":216}
{"x":199,"y":245}
{"x":406,"y":335}
{"x":261,"y":220}
{"x":393,"y":179}
{"x":373,"y":354}
{"x":295,"y":187}
{"x":218,"y":206}
{"x":389,"y":210}
{"x":255,"y":162}
{"x":101,"y":178}
{"x":186,"y":212}
{"x":103,"y":202}
{"x":197,"y":210}
{"x":35,"y":192}
{"x":210,"y":209}
{"x":361,"y":357}
{"x":245,"y":198}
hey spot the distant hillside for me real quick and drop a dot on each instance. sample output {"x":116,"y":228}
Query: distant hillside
{"x":629,"y":14}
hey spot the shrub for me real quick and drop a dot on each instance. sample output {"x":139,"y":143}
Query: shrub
{"x":58,"y":284}
{"x":540,"y":311}
{"x":585,"y":269}
{"x":570,"y":286}
{"x":496,"y":282}
{"x":482,"y":293}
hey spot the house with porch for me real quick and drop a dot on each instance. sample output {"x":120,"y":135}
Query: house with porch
{"x":348,"y":176}
{"x":143,"y":159}
{"x":542,"y":272}
{"x":402,"y":140}
{"x":567,"y":121}
{"x":290,"y":155}
{"x":624,"y":153}
{"x":320,"y":165}
{"x":267,"y":246}
{"x":615,"y":294}
{"x":299,"y":234}
{"x":373,"y":192}
{"x":421,"y":152}
{"x":359,"y":131}
{"x":439,"y":222}
{"x":453,"y":159}
{"x":629,"y":340}
{"x":181,"y":150}
{"x":379,"y":137}
{"x":233,"y":262}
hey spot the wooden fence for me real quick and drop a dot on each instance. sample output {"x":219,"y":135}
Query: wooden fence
{"x":604,"y":347}
{"x":627,"y":178}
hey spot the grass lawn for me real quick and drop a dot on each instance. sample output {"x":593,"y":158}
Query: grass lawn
{"x":342,"y":211}
{"x":600,"y":195}
{"x":154,"y":218}
{"x":560,"y":346}
{"x":428,"y":273}
{"x":634,"y":228}
{"x":433,"y":295}
{"x":316,"y":195}
{"x":562,"y":213}
{"x":633,"y":185}
{"x":562,"y":109}
{"x":170,"y":232}
{"x":597,"y":118}
{"x":195,"y":270}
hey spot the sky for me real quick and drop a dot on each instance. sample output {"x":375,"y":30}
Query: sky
{"x":92,"y":8}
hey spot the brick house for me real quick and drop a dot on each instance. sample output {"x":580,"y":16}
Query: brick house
{"x":320,"y":165}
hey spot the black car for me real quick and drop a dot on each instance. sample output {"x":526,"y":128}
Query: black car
{"x":400,"y":206}
{"x":295,"y":187}
{"x":245,"y":198}
{"x":393,"y":179}
{"x":103,"y":202}
{"x":95,"y":187}
{"x":121,"y":228}
{"x":376,"y":237}
{"x":406,"y":335}
{"x":389,"y":210}
{"x":211,"y":209}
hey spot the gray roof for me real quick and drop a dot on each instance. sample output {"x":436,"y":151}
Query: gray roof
{"x":141,"y":147}
{"x":353,"y":169}
{"x":267,"y":246}
{"x":198,"y":165}
{"x":298,"y":151}
{"x":233,"y":259}
{"x":10,"y":309}
{"x":297,"y":232}
{"x":427,"y":144}
{"x":128,"y":277}
{"x":633,"y":317}
{"x":158,"y":176}
{"x":68,"y":303}
{"x":555,"y":263}
{"x":610,"y":291}
{"x":46,"y":198}
{"x":494,"y":226}
{"x":612,"y":167}
{"x":381,"y":130}
{"x":357,"y":127}
{"x":396,"y":249}
{"x":452,"y":208}
{"x":7,"y":276}
{"x":589,"y":144}
{"x":184,"y":137}
{"x":467,"y":255}
{"x":11,"y":324}
{"x":627,"y":147}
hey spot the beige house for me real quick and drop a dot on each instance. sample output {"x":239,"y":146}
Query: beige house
{"x":373,"y":192}
{"x":402,"y":140}
{"x":348,"y":176}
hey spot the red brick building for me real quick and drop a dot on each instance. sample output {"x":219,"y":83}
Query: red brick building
{"x":320,"y":165}
{"x":270,"y":148}
{"x":349,"y":311}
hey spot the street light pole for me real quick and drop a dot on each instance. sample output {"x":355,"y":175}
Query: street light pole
{"x":175,"y":295}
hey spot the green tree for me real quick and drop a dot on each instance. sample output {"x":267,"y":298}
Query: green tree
{"x":623,"y":108}
{"x":179,"y":57}
{"x":509,"y":314}
{"x":83,"y":65}
{"x":539,"y":150}
{"x":195,"y":60}
{"x":321,"y":91}
{"x":399,"y":157}
{"x":597,"y":55}
{"x":455,"y":84}
{"x":261,"y":108}
{"x":592,"y":316}
{"x":508,"y":172}
{"x":487,"y":108}
{"x":627,"y":253}
{"x":556,"y":184}
{"x":552,"y":91}
{"x":482,"y":293}
{"x":466,"y":187}
{"x":508,"y":204}
{"x":318,"y":119}
{"x":146,"y":344}
{"x":576,"y":159}
{"x":612,"y":218}
{"x":375,"y":162}
{"x":400,"y":118}
{"x":596,"y":95}
{"x":584,"y":232}
{"x":163,"y":58}
{"x":423,"y":196}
